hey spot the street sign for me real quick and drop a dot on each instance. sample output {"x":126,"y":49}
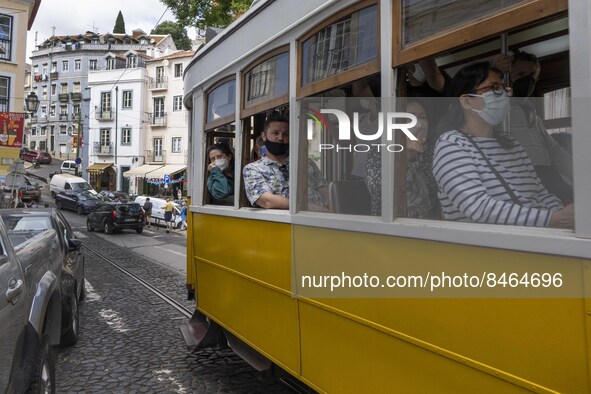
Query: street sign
{"x":78,"y":160}
{"x":166,"y":179}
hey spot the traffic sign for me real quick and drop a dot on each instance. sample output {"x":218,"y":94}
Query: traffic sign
{"x":78,"y":160}
{"x":166,"y":178}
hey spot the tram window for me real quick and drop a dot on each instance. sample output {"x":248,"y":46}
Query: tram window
{"x":219,"y":165}
{"x":426,"y":18}
{"x":267,"y":80}
{"x":221,"y":101}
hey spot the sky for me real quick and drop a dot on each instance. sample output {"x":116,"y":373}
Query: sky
{"x":78,"y":16}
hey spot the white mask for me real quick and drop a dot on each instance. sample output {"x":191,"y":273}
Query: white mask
{"x":496,"y":107}
{"x":222,"y":164}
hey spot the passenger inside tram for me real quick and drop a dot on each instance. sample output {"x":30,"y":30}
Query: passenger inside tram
{"x":483,"y":175}
{"x":220,"y":182}
{"x":553,"y":164}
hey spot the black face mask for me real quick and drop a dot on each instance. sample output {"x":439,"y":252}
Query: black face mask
{"x":276,"y":148}
{"x":524,"y":86}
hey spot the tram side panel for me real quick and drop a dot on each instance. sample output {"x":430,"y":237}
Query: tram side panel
{"x":436,"y":344}
{"x":244,"y":283}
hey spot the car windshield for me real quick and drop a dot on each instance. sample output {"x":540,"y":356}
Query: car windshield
{"x":27,"y":223}
{"x":131,"y":209}
{"x":87,"y":196}
{"x":81,"y":186}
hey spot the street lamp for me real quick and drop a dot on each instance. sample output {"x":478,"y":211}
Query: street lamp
{"x":32,"y":103}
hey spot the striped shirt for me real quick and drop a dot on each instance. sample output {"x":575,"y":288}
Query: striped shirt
{"x":469,"y":190}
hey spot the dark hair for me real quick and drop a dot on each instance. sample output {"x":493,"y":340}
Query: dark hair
{"x":225,"y":149}
{"x":526,"y":57}
{"x":465,"y":82}
{"x":275,"y":117}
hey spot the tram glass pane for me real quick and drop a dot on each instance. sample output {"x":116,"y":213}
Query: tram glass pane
{"x":221,"y":101}
{"x":426,"y":18}
{"x":341,"y":46}
{"x":267,"y":80}
{"x":219,"y":188}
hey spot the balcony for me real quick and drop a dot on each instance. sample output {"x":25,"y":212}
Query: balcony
{"x":160,"y":83}
{"x":76,"y":96}
{"x":105,"y":114}
{"x":156,"y":156}
{"x":75,"y":117}
{"x":53,"y":75}
{"x":63,"y":97}
{"x":102,"y":149}
{"x":63,"y":116}
{"x":158,"y":119}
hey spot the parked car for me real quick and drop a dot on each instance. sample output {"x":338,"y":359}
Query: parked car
{"x":69,"y":167}
{"x":31,"y":192}
{"x":61,"y":182}
{"x":41,"y":156}
{"x":81,"y":202}
{"x":64,"y":250}
{"x":30,"y":309}
{"x":158,"y":211}
{"x":107,"y":195}
{"x":110,"y":216}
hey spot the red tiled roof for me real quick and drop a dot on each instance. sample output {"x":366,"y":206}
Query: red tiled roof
{"x":175,"y":55}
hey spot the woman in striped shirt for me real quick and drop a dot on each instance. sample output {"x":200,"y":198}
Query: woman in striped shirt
{"x":482,"y":175}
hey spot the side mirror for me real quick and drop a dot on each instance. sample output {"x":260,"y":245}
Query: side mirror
{"x":74,"y":244}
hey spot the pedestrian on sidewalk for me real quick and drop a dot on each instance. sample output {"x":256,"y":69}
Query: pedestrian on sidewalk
{"x":168,"y":209}
{"x":183,"y":215}
{"x":148,"y":212}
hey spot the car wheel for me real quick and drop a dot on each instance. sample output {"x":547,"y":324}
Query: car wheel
{"x":180,"y":225}
{"x":71,"y":336}
{"x":44,"y":375}
{"x":107,"y":228}
{"x":80,"y":211}
{"x":89,"y":226}
{"x":60,"y":206}
{"x":139,"y":230}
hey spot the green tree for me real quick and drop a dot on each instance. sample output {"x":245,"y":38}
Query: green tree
{"x":178,"y":33}
{"x":119,"y":24}
{"x":207,"y":13}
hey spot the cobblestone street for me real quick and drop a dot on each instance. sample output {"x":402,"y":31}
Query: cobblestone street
{"x":130,"y":340}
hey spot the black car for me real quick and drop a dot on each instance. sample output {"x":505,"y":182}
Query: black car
{"x":26,"y":223}
{"x":110,"y":216}
{"x":81,"y":202}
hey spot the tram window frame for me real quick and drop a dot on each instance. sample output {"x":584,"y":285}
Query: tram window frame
{"x":212,"y":132}
{"x":470,"y":32}
{"x":343,"y":77}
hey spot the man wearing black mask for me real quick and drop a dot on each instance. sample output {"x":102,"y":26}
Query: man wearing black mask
{"x":266,"y":181}
{"x":552,"y":163}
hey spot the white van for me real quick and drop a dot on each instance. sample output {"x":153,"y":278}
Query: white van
{"x":69,"y":167}
{"x":158,"y":211}
{"x":60,"y":182}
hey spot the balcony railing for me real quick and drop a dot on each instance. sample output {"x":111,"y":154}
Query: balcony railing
{"x":158,"y":119}
{"x":160,"y":83}
{"x":53,"y":75}
{"x":76,"y":96}
{"x":63,"y":97}
{"x":63,"y":116}
{"x":75,"y":116}
{"x":102,"y":149}
{"x":156,"y":156}
{"x":104,"y":115}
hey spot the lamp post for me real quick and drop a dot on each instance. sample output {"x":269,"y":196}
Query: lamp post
{"x":32,"y":103}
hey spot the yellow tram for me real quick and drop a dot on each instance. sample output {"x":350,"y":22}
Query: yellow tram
{"x":248,"y":266}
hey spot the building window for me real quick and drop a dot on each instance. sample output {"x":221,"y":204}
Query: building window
{"x":132,"y":61}
{"x":111,"y":63}
{"x":5,"y":37}
{"x":36,"y":69}
{"x":178,"y":70}
{"x":77,"y":64}
{"x":63,"y":112}
{"x":76,"y":87}
{"x":106,"y":102}
{"x":43,"y":113}
{"x":126,"y":136}
{"x":43,"y":131}
{"x":176,"y":144}
{"x":159,"y":107}
{"x":157,"y":147}
{"x":53,"y":67}
{"x":63,"y":129}
{"x":105,"y":137}
{"x":177,"y":103}
{"x":65,"y":65}
{"x":93,"y":64}
{"x":52,"y":110}
{"x":127,"y":98}
{"x":44,"y":92}
{"x":44,"y":68}
{"x":53,"y":89}
{"x":64,"y":88}
{"x":4,"y":89}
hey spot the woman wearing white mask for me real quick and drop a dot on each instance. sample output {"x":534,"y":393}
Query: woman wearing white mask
{"x":483,"y":175}
{"x":220,"y":182}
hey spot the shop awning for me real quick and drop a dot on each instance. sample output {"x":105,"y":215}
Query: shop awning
{"x":98,"y":167}
{"x":141,"y":171}
{"x":169,"y":169}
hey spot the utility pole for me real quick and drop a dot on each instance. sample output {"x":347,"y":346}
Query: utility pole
{"x":115,"y":142}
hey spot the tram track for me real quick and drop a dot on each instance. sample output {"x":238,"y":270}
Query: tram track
{"x":160,"y":294}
